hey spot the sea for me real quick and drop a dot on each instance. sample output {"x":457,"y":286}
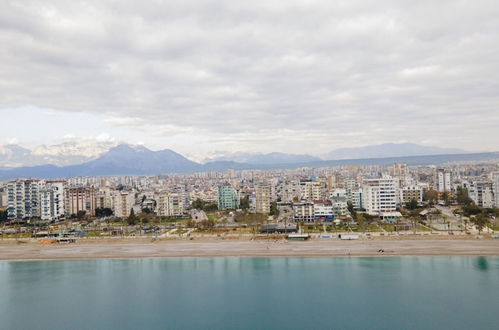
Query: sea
{"x":252,"y":293}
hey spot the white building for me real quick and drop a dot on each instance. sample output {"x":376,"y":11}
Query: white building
{"x":380,"y":195}
{"x":323,"y":210}
{"x":340,"y":206}
{"x":481,"y":193}
{"x":443,"y":180}
{"x":52,"y":200}
{"x":169,"y":205}
{"x":338,"y":192}
{"x":123,"y":203}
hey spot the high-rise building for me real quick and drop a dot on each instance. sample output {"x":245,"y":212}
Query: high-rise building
{"x":443,"y":180}
{"x":228,"y":198}
{"x":262,"y":198}
{"x":169,"y":205}
{"x":494,"y":176}
{"x":80,"y":199}
{"x":380,"y":195}
{"x":123,"y":202}
{"x":52,"y":200}
{"x":24,"y":199}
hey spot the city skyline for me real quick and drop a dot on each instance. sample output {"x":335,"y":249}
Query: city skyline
{"x":231,"y":76}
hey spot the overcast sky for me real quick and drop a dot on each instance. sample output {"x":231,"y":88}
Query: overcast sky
{"x":291,"y":76}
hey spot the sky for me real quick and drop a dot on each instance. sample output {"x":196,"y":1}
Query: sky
{"x":254,"y":76}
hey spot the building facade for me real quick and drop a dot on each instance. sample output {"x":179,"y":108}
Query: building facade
{"x":169,"y":205}
{"x":228,"y":198}
{"x":262,"y":198}
{"x":380,"y":195}
{"x":80,"y":199}
{"x":24,"y":199}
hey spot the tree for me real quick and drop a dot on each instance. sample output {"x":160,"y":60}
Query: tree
{"x":198,"y":204}
{"x":412,"y":204}
{"x":462,"y":196}
{"x":103,"y":212}
{"x":431,"y":196}
{"x":471,"y":209}
{"x":244,"y":203}
{"x":481,"y":221}
{"x":3,"y":216}
{"x":202,"y":205}
{"x":81,"y":214}
{"x":146,"y":210}
{"x":273,"y":209}
{"x":446,"y":197}
{"x":132,"y":219}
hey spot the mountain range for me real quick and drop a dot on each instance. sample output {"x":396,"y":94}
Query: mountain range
{"x":389,"y":150}
{"x":79,"y":152}
{"x":126,"y":159}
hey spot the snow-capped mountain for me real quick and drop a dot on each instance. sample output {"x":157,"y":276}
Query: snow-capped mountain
{"x":63,"y":154}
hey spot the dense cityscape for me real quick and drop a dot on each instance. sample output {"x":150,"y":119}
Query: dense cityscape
{"x":365,"y":200}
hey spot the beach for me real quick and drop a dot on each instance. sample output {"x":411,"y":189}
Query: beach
{"x":148,"y":248}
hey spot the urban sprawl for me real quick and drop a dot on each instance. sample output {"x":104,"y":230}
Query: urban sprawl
{"x":360,"y":200}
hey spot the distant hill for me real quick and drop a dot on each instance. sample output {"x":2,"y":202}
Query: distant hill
{"x":264,"y":159}
{"x":389,"y":150}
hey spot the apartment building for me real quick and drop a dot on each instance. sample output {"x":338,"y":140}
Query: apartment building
{"x":323,"y":210}
{"x":303,"y":212}
{"x":80,"y":199}
{"x":228,"y":198}
{"x":262,"y":198}
{"x":407,"y":194}
{"x":494,"y":176}
{"x":169,"y":205}
{"x":481,"y":192}
{"x":24,"y":199}
{"x":52,"y":200}
{"x":312,"y":190}
{"x":443,"y":180}
{"x":380,"y":195}
{"x":123,"y":202}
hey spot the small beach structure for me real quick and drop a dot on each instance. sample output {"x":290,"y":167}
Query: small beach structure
{"x":349,"y":237}
{"x":298,"y":237}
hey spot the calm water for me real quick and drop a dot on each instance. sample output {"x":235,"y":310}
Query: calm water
{"x":252,"y":293}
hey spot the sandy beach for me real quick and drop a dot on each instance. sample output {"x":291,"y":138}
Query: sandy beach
{"x":144,"y":248}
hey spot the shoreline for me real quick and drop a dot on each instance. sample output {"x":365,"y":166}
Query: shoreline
{"x":141,"y":249}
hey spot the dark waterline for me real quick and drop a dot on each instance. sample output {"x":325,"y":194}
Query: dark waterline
{"x":252,"y":293}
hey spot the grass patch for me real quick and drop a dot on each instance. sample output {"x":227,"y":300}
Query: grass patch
{"x":388,"y":227}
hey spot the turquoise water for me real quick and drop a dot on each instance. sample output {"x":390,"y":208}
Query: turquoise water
{"x":252,"y":293}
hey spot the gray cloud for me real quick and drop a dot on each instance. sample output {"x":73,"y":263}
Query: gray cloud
{"x":298,"y":76}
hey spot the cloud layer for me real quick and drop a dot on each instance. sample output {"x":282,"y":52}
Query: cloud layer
{"x":295,"y":76}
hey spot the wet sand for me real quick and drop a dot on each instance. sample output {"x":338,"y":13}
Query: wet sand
{"x":146,"y":248}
